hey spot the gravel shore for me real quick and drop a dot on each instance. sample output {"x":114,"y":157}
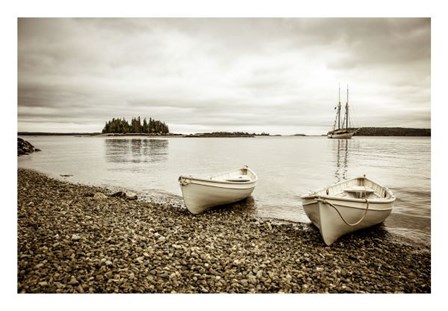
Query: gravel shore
{"x":79,"y":239}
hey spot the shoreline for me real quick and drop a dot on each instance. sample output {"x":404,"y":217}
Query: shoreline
{"x":362,"y":132}
{"x":77,"y":238}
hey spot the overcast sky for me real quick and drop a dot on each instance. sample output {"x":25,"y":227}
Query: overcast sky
{"x":199,"y":75}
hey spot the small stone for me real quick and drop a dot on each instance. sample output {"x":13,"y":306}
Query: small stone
{"x":119,"y":194}
{"x":125,"y":195}
{"x":76,"y":237}
{"x":99,"y":196}
{"x":73,"y":281}
{"x":131,"y":196}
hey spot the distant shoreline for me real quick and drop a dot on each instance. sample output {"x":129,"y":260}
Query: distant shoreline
{"x":364,"y":131}
{"x":392,"y":131}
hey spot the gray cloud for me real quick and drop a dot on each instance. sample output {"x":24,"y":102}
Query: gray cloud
{"x":222,"y":74}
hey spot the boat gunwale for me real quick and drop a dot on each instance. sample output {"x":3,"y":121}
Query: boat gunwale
{"x":214,"y":181}
{"x":342,"y":131}
{"x":371,"y":201}
{"x":253,"y":184}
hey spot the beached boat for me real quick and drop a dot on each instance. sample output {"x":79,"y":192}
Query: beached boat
{"x":342,"y":131}
{"x":202,"y":193}
{"x":348,"y":206}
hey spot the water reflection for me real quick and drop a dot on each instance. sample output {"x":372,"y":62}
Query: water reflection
{"x":341,"y":146}
{"x":119,"y":150}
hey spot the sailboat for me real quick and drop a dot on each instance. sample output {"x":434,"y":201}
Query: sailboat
{"x":343,"y":131}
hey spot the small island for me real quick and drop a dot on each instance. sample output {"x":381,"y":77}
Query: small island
{"x":136,"y":126}
{"x":221,"y":134}
{"x":227,"y":134}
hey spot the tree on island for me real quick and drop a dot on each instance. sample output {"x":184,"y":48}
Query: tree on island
{"x":123,"y":127}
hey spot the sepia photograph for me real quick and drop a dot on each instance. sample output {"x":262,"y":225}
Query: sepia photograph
{"x":285,"y":155}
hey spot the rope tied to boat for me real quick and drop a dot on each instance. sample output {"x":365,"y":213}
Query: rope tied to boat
{"x":342,"y":217}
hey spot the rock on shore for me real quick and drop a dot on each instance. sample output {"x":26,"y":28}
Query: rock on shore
{"x":24,"y":147}
{"x":71,"y":241}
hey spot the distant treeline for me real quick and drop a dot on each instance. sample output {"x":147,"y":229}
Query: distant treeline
{"x":135,"y":126}
{"x":392,"y":131}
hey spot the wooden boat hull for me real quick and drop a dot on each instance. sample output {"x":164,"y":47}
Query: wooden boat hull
{"x":202,"y":194}
{"x":335,"y":216}
{"x":341,"y":136}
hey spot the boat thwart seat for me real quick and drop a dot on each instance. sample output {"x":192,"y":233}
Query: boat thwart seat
{"x":359,"y":192}
{"x":239,"y":178}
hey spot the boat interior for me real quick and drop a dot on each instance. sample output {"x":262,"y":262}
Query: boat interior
{"x":241,"y":175}
{"x":359,"y":188}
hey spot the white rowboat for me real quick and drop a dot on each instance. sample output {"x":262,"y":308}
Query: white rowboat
{"x":200,"y":194}
{"x":348,"y":206}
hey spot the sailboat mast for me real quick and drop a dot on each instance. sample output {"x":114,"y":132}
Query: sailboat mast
{"x":339,"y":108}
{"x":346,"y":111}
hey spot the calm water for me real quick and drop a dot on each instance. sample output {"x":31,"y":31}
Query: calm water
{"x":287,"y":167}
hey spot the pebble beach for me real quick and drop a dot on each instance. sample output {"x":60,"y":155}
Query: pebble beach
{"x":74,"y":238}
